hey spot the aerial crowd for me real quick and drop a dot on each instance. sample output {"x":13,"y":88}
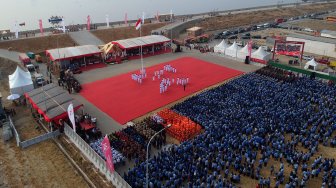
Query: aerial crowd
{"x":269,"y":126}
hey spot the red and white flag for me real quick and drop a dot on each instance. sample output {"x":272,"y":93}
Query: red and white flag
{"x":138,"y":24}
{"x":106,"y":147}
{"x":41,"y":26}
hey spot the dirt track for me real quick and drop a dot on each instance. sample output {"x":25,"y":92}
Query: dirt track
{"x":241,"y":19}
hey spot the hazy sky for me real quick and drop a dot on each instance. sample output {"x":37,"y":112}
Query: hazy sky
{"x":76,"y":11}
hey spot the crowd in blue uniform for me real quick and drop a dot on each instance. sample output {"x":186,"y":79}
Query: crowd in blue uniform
{"x":248,"y":116}
{"x":263,"y":116}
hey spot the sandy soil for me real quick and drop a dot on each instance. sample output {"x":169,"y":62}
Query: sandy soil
{"x":38,"y":44}
{"x":42,"y":165}
{"x":237,"y":20}
{"x":315,"y":24}
{"x":108,"y":35}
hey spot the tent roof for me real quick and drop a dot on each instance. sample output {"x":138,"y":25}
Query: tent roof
{"x":223,"y":44}
{"x":234,"y":46}
{"x":51,"y":101}
{"x":19,"y":71}
{"x":19,"y":78}
{"x":261,"y":53}
{"x":245,"y":49}
{"x":144,"y":41}
{"x":72,"y":52}
{"x":312,"y":62}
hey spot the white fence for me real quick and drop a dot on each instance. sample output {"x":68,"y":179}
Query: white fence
{"x":17,"y":136}
{"x":85,"y":148}
{"x":39,"y":139}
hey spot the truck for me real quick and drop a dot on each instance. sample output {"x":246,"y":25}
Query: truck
{"x":39,"y":79}
{"x":24,"y":59}
{"x":279,"y":20}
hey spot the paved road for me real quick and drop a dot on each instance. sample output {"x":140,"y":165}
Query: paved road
{"x":85,"y":37}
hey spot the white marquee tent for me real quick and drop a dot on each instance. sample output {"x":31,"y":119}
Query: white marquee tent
{"x":20,"y":82}
{"x":312,"y":63}
{"x":220,"y":48}
{"x":261,"y":54}
{"x":232,"y":50}
{"x":243,"y":52}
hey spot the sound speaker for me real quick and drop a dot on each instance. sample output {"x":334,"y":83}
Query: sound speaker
{"x":247,"y":60}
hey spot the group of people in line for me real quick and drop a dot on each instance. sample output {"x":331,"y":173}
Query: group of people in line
{"x":260,"y":126}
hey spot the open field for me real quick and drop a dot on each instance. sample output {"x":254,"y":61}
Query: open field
{"x":38,"y":44}
{"x":108,"y":35}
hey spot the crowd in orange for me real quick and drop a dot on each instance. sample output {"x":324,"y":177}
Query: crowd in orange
{"x":182,"y":128}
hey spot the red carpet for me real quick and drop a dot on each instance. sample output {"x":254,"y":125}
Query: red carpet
{"x":93,"y":66}
{"x":124,"y":99}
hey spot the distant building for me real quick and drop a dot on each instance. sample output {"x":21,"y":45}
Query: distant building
{"x":166,"y":17}
{"x":195,"y":31}
{"x":316,"y":45}
{"x":328,"y":34}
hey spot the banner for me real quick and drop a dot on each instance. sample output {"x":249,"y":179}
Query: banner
{"x":41,"y":26}
{"x":250,"y":43}
{"x":108,"y":154}
{"x":143,"y":17}
{"x":157,"y":16}
{"x":88,"y":21}
{"x":16,"y":30}
{"x":289,"y":50}
{"x":126,"y":19}
{"x":63,"y":25}
{"x":71,"y":116}
{"x":107,"y":21}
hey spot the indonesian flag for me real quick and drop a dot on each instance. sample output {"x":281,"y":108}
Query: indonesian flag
{"x":138,"y":24}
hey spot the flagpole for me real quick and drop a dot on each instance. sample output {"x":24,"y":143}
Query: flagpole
{"x":141,"y":52}
{"x":171,"y":31}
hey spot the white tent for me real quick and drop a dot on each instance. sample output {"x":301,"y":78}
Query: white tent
{"x":220,"y":48}
{"x":312,"y":63}
{"x":243,"y":52}
{"x":232,"y":50}
{"x":261,"y":54}
{"x":20,"y":82}
{"x":19,"y":71}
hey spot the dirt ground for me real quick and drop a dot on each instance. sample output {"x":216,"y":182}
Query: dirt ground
{"x":38,"y":44}
{"x":248,"y":18}
{"x":108,"y":35}
{"x":317,"y":25}
{"x":42,"y":165}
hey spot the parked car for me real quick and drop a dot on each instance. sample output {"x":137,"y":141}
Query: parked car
{"x":233,"y":37}
{"x":307,"y":57}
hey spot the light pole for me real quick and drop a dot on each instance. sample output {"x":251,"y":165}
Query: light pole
{"x":147,"y":157}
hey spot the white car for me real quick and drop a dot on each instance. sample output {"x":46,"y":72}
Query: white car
{"x":307,"y":57}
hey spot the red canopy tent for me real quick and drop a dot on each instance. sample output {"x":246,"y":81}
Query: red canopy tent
{"x":52,"y":102}
{"x":72,"y":52}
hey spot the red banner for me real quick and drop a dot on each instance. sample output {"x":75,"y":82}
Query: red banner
{"x":288,"y":53}
{"x":108,"y":154}
{"x":258,"y":61}
{"x":41,"y":26}
{"x":88,"y":21}
{"x":250,"y":47}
